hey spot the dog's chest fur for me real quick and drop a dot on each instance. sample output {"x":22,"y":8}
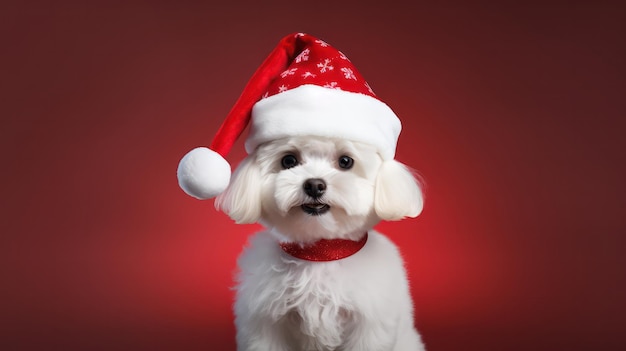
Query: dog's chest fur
{"x":316,"y":315}
{"x":320,"y":305}
{"x":313,"y":302}
{"x":308,"y":300}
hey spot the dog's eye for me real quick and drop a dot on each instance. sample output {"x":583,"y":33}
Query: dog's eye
{"x":289,"y":161}
{"x":345,"y":162}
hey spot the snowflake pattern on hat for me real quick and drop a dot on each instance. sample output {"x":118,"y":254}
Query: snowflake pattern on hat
{"x":318,"y":63}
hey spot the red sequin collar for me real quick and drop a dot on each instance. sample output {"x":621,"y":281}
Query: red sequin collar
{"x":325,"y":249}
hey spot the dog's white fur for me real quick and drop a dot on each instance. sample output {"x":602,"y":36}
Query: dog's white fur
{"x":361,"y":302}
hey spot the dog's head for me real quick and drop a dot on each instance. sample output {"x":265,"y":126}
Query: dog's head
{"x":309,"y":188}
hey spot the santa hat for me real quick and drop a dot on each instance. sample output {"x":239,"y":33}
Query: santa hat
{"x":304,"y":87}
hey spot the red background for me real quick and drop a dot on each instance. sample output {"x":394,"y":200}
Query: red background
{"x":512,"y":113}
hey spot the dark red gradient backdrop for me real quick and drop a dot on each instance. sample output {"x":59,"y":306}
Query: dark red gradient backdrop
{"x":513,"y":114}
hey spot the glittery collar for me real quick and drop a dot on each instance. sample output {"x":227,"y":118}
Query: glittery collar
{"x":325,"y":249}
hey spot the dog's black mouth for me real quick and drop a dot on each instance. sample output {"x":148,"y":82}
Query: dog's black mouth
{"x":315,"y":209}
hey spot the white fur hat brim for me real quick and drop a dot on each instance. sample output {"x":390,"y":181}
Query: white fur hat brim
{"x":320,"y":111}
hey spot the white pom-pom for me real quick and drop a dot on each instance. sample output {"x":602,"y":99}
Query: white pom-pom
{"x":203,"y":173}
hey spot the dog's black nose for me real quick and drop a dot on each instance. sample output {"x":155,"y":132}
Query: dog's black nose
{"x":314,"y":187}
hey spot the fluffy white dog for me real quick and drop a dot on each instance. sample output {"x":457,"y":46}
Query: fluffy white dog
{"x":307,"y":189}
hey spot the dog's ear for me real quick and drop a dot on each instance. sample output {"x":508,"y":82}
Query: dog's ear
{"x":242,"y":199}
{"x":398,"y":193}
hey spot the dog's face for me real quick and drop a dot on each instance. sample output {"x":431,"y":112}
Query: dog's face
{"x":318,"y":188}
{"x":309,"y":188}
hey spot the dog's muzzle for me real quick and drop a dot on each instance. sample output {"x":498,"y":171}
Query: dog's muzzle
{"x":315,"y":188}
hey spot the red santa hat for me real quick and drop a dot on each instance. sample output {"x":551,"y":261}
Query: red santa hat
{"x":304,"y":87}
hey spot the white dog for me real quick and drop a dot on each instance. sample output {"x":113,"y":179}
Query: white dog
{"x":304,"y":189}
